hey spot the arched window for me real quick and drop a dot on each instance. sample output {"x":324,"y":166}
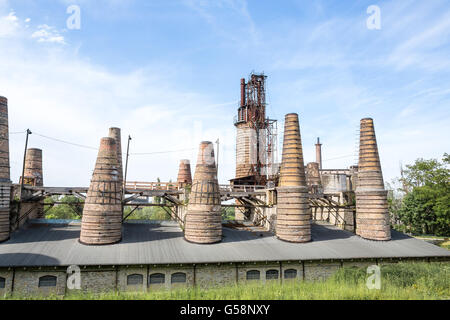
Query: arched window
{"x":290,"y":274}
{"x":2,"y":283}
{"x":47,"y":281}
{"x":253,"y":275}
{"x":135,"y":279}
{"x":271,"y":274}
{"x":178,"y":277}
{"x":157,"y":278}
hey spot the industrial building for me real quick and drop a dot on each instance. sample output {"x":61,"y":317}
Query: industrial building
{"x":294,"y":221}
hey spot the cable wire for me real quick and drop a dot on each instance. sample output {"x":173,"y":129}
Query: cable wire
{"x":63,"y":141}
{"x":93,"y":148}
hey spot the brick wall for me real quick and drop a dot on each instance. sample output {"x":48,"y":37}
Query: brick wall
{"x":109,"y":279}
{"x":26,"y":282}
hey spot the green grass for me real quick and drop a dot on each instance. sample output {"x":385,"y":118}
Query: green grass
{"x":445,"y":244}
{"x":398,"y":281}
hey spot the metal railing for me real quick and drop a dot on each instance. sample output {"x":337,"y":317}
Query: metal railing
{"x":168,"y":186}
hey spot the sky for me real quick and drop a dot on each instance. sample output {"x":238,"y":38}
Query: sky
{"x":168,"y":73}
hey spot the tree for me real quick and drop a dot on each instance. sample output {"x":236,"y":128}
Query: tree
{"x":426,"y":205}
{"x":69,"y":207}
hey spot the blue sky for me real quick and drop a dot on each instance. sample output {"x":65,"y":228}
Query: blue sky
{"x":167,"y":73}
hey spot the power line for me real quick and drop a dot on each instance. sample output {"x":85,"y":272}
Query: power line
{"x":159,"y":152}
{"x":341,"y":157}
{"x":93,"y":148}
{"x":66,"y":142}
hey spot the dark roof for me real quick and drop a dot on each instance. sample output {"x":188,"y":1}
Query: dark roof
{"x":57,"y":245}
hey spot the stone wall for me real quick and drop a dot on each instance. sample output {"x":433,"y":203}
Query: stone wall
{"x":25,"y":281}
{"x":215,"y":275}
{"x":7,"y":275}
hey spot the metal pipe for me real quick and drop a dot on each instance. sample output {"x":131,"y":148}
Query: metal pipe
{"x":242,"y":92}
{"x":23,"y":167}
{"x":126,"y":165}
{"x":319,"y":153}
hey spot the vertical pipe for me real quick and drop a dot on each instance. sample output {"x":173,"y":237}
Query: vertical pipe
{"x":23,"y":166}
{"x":319,"y":153}
{"x":242,"y":92}
{"x":126,"y":166}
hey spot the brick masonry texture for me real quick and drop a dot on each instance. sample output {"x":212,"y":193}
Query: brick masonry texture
{"x":320,"y":271}
{"x":26,"y":282}
{"x":110,"y":279}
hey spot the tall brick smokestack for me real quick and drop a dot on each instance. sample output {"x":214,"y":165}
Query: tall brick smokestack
{"x":184,"y":173}
{"x":372,"y":215}
{"x":242,"y":92}
{"x":102,"y":214}
{"x":5,"y":180}
{"x":204,"y":215}
{"x":115,"y":133}
{"x":293,"y":210}
{"x":33,"y":169}
{"x":319,"y":153}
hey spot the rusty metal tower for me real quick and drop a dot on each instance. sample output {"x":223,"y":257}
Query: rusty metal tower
{"x":256,"y":134}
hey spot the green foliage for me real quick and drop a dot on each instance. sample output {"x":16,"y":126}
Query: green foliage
{"x":398,"y":281}
{"x":147,"y":213}
{"x":227,"y":213}
{"x":425,"y":207}
{"x":72,"y":210}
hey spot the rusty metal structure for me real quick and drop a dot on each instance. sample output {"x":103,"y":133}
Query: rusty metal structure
{"x":372,"y":215}
{"x":256,"y":138}
{"x":293,"y":210}
{"x":204,"y":215}
{"x":282,"y":198}
{"x":184,"y":173}
{"x":5,"y":181}
{"x":101,"y":223}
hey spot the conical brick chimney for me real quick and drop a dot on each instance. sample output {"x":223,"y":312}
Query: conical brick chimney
{"x":293,"y":210}
{"x":33,"y":166}
{"x":115,"y":133}
{"x":184,"y":173}
{"x":204,"y":215}
{"x":102,"y":214}
{"x":5,"y":181}
{"x":313,"y":175}
{"x":33,"y":170}
{"x":372,"y":215}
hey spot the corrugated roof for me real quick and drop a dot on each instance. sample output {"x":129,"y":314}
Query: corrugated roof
{"x":57,"y":245}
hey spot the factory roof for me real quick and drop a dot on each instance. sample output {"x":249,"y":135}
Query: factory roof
{"x":163,"y":243}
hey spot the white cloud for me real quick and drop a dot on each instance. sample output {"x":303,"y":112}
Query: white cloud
{"x":9,"y":25}
{"x":58,"y":94}
{"x":49,"y":34}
